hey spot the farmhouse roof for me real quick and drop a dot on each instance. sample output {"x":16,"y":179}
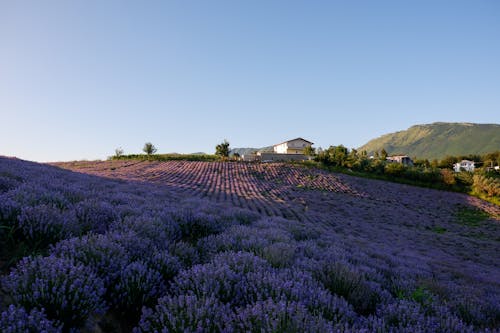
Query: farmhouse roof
{"x":294,"y":140}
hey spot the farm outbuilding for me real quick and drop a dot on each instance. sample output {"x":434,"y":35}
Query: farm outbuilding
{"x":401,"y":159}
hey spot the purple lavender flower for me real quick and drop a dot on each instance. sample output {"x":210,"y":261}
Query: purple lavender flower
{"x":98,"y":252}
{"x":281,"y":316}
{"x":94,"y":215}
{"x":44,"y":224}
{"x":16,"y":320}
{"x":69,"y":292}
{"x":137,"y":286}
{"x":187,"y":314}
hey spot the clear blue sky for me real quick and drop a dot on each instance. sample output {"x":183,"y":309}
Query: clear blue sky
{"x":81,"y":78}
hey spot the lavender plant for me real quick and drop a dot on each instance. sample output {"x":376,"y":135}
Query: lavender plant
{"x":238,"y":241}
{"x":96,"y":216}
{"x":44,"y":224}
{"x":282,"y":316}
{"x":104,"y":256}
{"x":137,"y":286}
{"x":17,"y":320}
{"x":187,"y":314}
{"x":69,"y":292}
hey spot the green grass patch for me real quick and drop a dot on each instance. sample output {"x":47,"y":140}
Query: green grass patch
{"x":167,"y":157}
{"x":439,"y":230}
{"x":471,"y":217}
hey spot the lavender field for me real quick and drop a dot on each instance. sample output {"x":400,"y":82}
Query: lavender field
{"x":138,"y":246}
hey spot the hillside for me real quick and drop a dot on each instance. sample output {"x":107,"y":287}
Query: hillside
{"x":248,"y":151}
{"x":240,"y":247}
{"x":438,"y":140}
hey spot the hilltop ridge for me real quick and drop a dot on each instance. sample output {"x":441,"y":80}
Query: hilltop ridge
{"x":439,"y":139}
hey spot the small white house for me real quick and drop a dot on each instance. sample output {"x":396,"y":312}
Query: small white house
{"x":464,"y":165}
{"x":295,"y":146}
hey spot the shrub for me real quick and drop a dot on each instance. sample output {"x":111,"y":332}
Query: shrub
{"x":137,"y":286}
{"x":137,"y":247}
{"x":106,"y":257}
{"x":44,"y":224}
{"x":164,"y":263}
{"x":187,"y":253}
{"x":34,"y":194}
{"x":282,"y":316}
{"x":448,"y":176}
{"x":186,"y":314}
{"x":16,"y":319}
{"x":195,"y":225}
{"x":161,"y":229}
{"x":69,"y":292}
{"x":489,"y":186}
{"x":408,"y":316}
{"x":343,"y":280}
{"x":94,"y":215}
{"x":394,"y":169}
{"x":212,"y":280}
{"x":279,"y":254}
{"x":7,"y":183}
{"x":9,"y":209}
{"x":298,"y":286}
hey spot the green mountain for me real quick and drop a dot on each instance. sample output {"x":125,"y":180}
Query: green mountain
{"x":248,"y":151}
{"x":437,"y":140}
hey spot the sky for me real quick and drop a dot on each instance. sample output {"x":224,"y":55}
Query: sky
{"x":79,"y":79}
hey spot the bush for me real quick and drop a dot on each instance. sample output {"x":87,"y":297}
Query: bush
{"x":298,"y":286}
{"x":106,"y":257}
{"x":96,"y":216}
{"x":448,"y":176}
{"x":408,"y":316}
{"x":69,"y":292}
{"x":164,"y":263}
{"x":279,"y":254}
{"x":186,"y":314}
{"x":138,"y":286}
{"x":394,"y":169}
{"x":283,"y":316}
{"x":194,"y":225}
{"x":489,"y":186}
{"x":44,"y":224}
{"x":341,"y":279}
{"x":223,"y":278}
{"x":17,"y":319}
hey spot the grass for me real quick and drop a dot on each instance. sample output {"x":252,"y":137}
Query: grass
{"x":471,"y":217}
{"x":167,"y":157}
{"x":439,"y":230}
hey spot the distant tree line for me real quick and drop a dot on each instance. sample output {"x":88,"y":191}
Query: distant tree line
{"x":484,"y":182}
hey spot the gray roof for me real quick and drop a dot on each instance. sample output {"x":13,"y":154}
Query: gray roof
{"x":294,"y":140}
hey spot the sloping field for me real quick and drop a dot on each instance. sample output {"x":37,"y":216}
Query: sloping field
{"x":240,"y":247}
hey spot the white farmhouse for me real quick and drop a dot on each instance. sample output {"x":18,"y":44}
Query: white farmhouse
{"x":464,"y":165}
{"x":295,"y":146}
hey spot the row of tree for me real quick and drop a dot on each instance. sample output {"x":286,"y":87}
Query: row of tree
{"x":221,"y":149}
{"x":424,"y":172}
{"x":148,"y":148}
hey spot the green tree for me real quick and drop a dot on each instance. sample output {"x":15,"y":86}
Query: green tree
{"x":309,"y":151}
{"x":149,"y":148}
{"x":383,"y":154}
{"x":119,"y":152}
{"x":448,"y":162}
{"x":222,"y":149}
